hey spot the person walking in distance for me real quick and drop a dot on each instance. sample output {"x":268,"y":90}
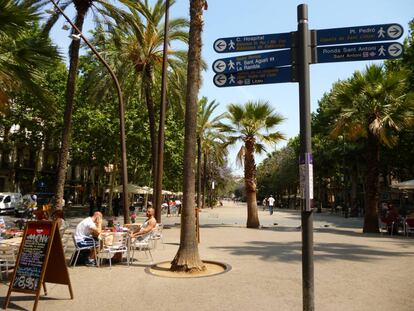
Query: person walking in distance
{"x":265,"y":203}
{"x":271,"y":202}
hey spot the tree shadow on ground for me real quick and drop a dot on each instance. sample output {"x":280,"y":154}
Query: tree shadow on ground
{"x":291,"y":251}
{"x":334,"y":220}
{"x":337,"y":231}
{"x":29,"y":297}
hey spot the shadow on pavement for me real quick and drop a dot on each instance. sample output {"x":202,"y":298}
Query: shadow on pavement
{"x":291,"y":251}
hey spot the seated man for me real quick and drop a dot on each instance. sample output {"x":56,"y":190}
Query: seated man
{"x":141,"y":232}
{"x":86,"y":231}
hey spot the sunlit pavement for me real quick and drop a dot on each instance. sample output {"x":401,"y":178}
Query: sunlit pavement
{"x":352,"y":271}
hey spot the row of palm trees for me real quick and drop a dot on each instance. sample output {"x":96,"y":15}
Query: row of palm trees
{"x":132,"y":43}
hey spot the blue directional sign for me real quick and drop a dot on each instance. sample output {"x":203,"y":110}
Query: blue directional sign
{"x":355,"y":52}
{"x":254,"y":77}
{"x":355,"y":34}
{"x":253,"y":62}
{"x":253,"y":43}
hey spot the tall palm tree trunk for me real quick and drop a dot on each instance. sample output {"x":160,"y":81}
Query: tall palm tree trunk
{"x":187,"y":257}
{"x":250,"y":185}
{"x":69,"y":98}
{"x":204,"y":180}
{"x":199,"y":154}
{"x":153,"y":134}
{"x":154,"y":148}
{"x":371,"y":186}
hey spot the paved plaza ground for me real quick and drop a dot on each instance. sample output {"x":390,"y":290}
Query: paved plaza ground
{"x":352,"y":271}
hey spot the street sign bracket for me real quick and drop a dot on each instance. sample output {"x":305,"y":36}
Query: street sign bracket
{"x":294,"y":74}
{"x":314,"y":51}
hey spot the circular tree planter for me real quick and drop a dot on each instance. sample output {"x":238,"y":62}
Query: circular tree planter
{"x":213,"y":268}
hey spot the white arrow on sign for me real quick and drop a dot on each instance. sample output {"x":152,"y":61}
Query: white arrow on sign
{"x":395,"y":49}
{"x":220,"y":45}
{"x":219,"y":66}
{"x":220,"y":79}
{"x":394,"y":31}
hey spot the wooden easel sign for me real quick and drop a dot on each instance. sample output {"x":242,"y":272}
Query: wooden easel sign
{"x":41,"y":259}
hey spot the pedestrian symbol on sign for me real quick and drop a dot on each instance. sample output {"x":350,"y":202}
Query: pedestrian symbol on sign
{"x":381,"y":33}
{"x":381,"y":50}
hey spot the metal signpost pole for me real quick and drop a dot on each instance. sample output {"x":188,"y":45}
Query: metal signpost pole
{"x":303,"y":60}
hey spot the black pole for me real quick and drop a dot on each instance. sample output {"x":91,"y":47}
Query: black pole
{"x":160,"y":165}
{"x":306,"y":180}
{"x":124,"y":171}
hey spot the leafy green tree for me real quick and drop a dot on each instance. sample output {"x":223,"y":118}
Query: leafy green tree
{"x":278,"y":174}
{"x":36,"y":126}
{"x":214,"y":151}
{"x":373,"y":106}
{"x":205,"y":123}
{"x":252,"y":123}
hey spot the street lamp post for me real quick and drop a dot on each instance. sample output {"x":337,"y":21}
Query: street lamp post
{"x":120,"y":110}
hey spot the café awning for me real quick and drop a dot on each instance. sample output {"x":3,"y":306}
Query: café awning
{"x":405,"y":185}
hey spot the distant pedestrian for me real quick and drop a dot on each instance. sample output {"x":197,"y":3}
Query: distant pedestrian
{"x":264,"y":203}
{"x":271,"y":202}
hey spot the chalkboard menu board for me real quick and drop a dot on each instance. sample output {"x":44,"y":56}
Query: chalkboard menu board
{"x":41,"y":259}
{"x":32,"y":256}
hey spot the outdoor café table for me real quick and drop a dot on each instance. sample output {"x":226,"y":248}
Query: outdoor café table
{"x":106,"y":239}
{"x":13,"y":242}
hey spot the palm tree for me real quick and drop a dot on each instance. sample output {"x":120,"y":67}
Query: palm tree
{"x":139,"y":40}
{"x":373,"y":107}
{"x":187,"y":257}
{"x":82,"y":7}
{"x":252,"y":123}
{"x":205,"y":123}
{"x":24,"y":52}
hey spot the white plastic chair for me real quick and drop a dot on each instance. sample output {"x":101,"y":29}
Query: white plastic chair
{"x":75,"y":256}
{"x":119,"y":244}
{"x":145,"y":244}
{"x":157,"y":235}
{"x":7,"y":259}
{"x":409,"y":227}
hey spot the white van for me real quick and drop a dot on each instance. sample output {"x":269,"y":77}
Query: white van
{"x":9,"y":201}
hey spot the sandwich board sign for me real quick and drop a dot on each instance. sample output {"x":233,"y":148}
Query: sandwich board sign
{"x":41,"y":259}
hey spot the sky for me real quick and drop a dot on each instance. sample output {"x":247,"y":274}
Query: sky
{"x":232,"y":18}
